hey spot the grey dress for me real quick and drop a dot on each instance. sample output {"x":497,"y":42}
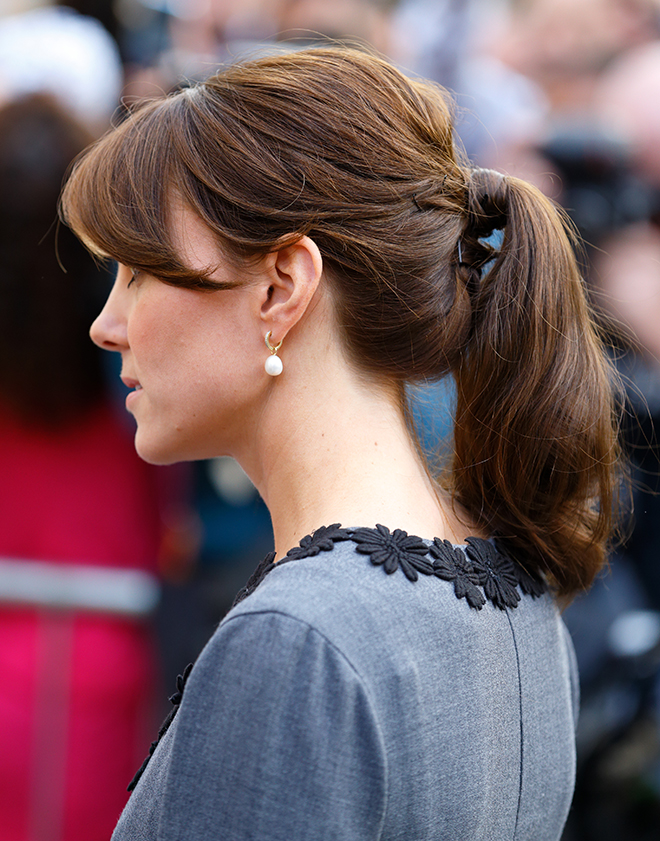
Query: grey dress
{"x":338,"y":701}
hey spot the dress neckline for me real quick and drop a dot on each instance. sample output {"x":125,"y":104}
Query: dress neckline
{"x":480,"y":570}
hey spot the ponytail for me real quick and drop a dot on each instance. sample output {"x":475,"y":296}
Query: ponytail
{"x":536,"y":439}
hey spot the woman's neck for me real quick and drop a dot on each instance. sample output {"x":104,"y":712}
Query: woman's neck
{"x":338,"y":451}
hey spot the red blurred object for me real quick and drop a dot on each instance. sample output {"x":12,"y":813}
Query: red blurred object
{"x":76,"y":706}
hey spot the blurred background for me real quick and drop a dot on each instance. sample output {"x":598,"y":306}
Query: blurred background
{"x":113,"y":573}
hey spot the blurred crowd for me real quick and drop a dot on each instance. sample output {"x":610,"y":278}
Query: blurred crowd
{"x":113,"y":572}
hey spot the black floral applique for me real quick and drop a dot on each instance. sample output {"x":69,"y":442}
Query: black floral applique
{"x":497,"y":573}
{"x":531,"y":585}
{"x":256,"y":578}
{"x":322,"y":540}
{"x":165,"y":726}
{"x":452,"y":564}
{"x":480,"y":572}
{"x":393,"y":550}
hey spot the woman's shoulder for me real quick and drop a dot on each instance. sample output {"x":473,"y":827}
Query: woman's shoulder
{"x":377,"y":592}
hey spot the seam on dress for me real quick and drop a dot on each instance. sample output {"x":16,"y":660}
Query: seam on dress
{"x":331,"y":645}
{"x":520,"y":705}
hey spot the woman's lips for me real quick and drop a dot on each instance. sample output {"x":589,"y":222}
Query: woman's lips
{"x":136,"y":389}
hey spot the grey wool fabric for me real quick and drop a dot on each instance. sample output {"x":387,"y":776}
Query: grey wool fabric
{"x":340,"y":702}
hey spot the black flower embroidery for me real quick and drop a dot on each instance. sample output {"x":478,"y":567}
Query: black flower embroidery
{"x":531,"y":585}
{"x":165,"y":726}
{"x":181,"y":681}
{"x":256,"y":578}
{"x":322,"y":540}
{"x":497,"y":573}
{"x":393,"y":550}
{"x":452,"y":564}
{"x":482,"y":565}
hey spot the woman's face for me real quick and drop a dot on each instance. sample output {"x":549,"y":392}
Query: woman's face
{"x":194,"y":360}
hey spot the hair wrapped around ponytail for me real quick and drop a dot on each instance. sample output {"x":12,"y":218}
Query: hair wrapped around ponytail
{"x":536,"y":452}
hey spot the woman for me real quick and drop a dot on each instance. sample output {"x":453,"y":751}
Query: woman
{"x":297,"y":241}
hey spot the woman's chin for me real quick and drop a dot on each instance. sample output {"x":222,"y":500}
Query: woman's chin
{"x":168,"y":448}
{"x":157,"y":451}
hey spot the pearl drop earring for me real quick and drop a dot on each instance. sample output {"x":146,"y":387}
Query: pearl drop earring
{"x":273,"y":364}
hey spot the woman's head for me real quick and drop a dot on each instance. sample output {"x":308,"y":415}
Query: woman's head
{"x":337,"y":149}
{"x":331,"y":143}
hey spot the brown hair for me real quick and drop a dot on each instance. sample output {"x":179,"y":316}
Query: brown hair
{"x":339,"y":145}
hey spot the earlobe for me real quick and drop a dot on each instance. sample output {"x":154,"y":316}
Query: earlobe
{"x":293,"y":277}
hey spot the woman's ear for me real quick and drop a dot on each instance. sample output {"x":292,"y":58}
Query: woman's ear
{"x":293,"y":274}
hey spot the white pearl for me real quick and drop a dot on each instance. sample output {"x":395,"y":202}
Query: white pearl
{"x":274,"y":366}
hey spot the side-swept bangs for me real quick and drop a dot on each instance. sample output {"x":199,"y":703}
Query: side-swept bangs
{"x":120,"y":192}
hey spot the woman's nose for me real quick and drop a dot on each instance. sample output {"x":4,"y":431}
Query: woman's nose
{"x":108,"y":331}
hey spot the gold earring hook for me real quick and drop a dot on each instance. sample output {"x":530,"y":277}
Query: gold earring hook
{"x":272,"y":348}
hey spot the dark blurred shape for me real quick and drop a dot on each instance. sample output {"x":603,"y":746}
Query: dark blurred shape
{"x":49,"y":370}
{"x":102,"y":10}
{"x":599,"y":189}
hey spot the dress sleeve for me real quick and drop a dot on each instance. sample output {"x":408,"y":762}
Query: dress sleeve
{"x":276,"y":738}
